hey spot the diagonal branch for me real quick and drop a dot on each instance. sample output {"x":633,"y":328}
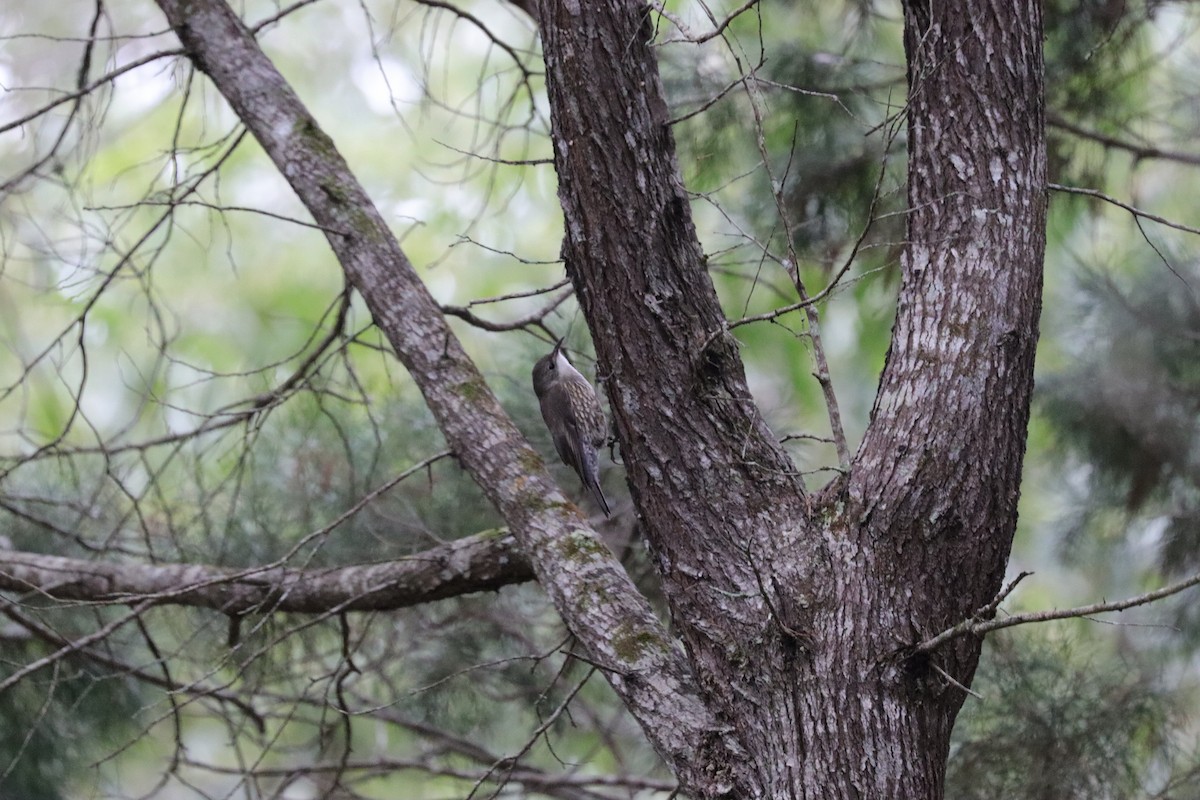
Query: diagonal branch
{"x":1135,"y":211}
{"x":194,"y":689}
{"x":1138,"y":151}
{"x":975,"y":626}
{"x":589,"y":588}
{"x":534,"y":318}
{"x":75,"y":645}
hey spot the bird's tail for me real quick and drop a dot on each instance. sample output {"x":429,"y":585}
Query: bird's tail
{"x":591,"y":478}
{"x":598,"y":494}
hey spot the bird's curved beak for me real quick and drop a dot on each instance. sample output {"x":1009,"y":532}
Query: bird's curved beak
{"x":558,"y":346}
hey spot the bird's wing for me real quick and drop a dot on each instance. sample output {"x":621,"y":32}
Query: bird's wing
{"x":598,"y":426}
{"x":568,"y":442}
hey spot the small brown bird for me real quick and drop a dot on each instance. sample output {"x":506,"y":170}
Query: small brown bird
{"x":572,"y":412}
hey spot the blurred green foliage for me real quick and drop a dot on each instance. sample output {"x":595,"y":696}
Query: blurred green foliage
{"x":1056,"y":723}
{"x":61,"y":722}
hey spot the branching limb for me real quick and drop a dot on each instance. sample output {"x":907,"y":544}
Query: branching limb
{"x":975,"y":626}
{"x":74,"y":646}
{"x":718,"y":29}
{"x":86,"y":90}
{"x":1136,"y":212}
{"x":163,"y":682}
{"x":467,"y":315}
{"x":533,"y":779}
{"x":792,"y":265}
{"x":237,"y":413}
{"x":1138,"y":151}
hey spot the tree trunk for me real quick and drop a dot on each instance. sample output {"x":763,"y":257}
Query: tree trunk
{"x":799,"y":615}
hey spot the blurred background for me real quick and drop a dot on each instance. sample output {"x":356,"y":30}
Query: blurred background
{"x":184,"y":377}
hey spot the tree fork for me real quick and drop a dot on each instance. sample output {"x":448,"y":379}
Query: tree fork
{"x":798,"y":629}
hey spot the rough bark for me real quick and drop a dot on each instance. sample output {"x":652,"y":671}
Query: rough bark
{"x":929,"y":510}
{"x":722,"y":505}
{"x":472,"y":564}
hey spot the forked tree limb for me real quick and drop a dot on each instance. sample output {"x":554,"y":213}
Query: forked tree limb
{"x":977,"y":626}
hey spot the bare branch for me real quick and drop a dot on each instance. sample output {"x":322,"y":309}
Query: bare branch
{"x":517,"y":295}
{"x":193,"y":689}
{"x":74,"y":646}
{"x":465,"y":313}
{"x":688,"y":36}
{"x":1138,"y":151}
{"x":955,"y":682}
{"x":588,"y":586}
{"x":462,"y":13}
{"x":84,"y":91}
{"x":980,"y":627}
{"x":534,"y":779}
{"x":1137,"y":212}
{"x":219,"y":208}
{"x":792,"y":266}
{"x":483,"y":562}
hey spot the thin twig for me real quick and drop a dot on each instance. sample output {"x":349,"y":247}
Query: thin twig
{"x":714,"y":33}
{"x":978,"y":627}
{"x":954,"y":682}
{"x":535,"y":318}
{"x":195,"y":689}
{"x":75,"y":645}
{"x":85,"y":91}
{"x":792,"y":266}
{"x":220,"y":208}
{"x":1137,"y":212}
{"x":989,"y":611}
{"x":519,"y":295}
{"x":1138,"y":151}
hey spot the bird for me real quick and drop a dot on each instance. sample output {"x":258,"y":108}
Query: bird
{"x":572,"y":412}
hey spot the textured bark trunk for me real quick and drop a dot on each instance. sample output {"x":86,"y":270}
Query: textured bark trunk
{"x":930,"y":505}
{"x":798,"y":613}
{"x":587,"y":584}
{"x":716,"y":493}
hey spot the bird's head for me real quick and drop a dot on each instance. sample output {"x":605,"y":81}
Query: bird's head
{"x":548,"y":368}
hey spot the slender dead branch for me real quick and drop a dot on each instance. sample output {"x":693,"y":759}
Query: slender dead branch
{"x":464,"y":313}
{"x":955,"y":682}
{"x":533,"y":778}
{"x":1136,"y":212}
{"x":791,"y":264}
{"x":692,"y":38}
{"x":980,"y":627}
{"x":74,"y":646}
{"x":1139,"y":151}
{"x":163,"y":682}
{"x":84,"y":91}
